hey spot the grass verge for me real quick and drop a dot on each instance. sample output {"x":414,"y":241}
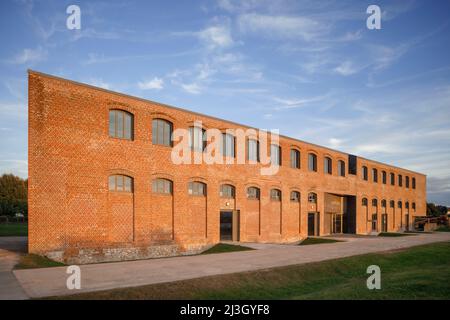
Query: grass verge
{"x":416,"y":273}
{"x":13,"y":229}
{"x":309,"y":241}
{"x":394,"y":234}
{"x":443,"y":229}
{"x":32,"y":261}
{"x":225,"y":247}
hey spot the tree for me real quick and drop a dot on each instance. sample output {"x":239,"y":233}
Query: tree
{"x":436,"y":210}
{"x":13,"y":195}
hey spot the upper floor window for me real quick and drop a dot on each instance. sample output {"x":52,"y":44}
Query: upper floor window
{"x":120,"y":124}
{"x":328,"y":165}
{"x":365,"y":173}
{"x":197,"y":139}
{"x":375,"y":175}
{"x":374,"y":202}
{"x":341,"y":168}
{"x":275,"y":195}
{"x":120,"y":183}
{"x":253,"y":150}
{"x":312,"y":162}
{"x":197,"y":188}
{"x":227,"y":191}
{"x":406,"y":205}
{"x":414,"y":206}
{"x":364,"y":202}
{"x":312,"y":197}
{"x":392,"y":203}
{"x":399,"y":204}
{"x":384,"y":177}
{"x":228,"y":149}
{"x":253,"y":193}
{"x":275,"y":154}
{"x":383,"y":203}
{"x":392,"y":179}
{"x":407,"y":182}
{"x":295,"y":196}
{"x":162,"y":186}
{"x":295,"y":159}
{"x":161,"y":132}
{"x":413,"y":183}
{"x":400,"y":180}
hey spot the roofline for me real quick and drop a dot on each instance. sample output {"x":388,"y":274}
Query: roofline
{"x":30,"y":71}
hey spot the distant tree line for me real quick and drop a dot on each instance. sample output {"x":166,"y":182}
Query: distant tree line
{"x":436,"y":210}
{"x":13,"y":195}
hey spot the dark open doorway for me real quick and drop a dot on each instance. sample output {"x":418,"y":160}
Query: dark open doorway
{"x":226,"y":225}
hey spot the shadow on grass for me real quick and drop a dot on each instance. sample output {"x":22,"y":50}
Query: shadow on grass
{"x":225,"y":247}
{"x":309,"y":241}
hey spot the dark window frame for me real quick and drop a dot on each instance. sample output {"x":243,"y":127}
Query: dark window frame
{"x":120,"y":131}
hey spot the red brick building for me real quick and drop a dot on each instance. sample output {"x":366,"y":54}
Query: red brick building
{"x":102,"y":185}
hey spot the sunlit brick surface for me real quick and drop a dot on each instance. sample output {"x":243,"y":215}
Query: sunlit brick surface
{"x":71,"y":156}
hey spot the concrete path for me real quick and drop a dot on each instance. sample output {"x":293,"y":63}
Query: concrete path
{"x":10,"y":250}
{"x":52,"y":281}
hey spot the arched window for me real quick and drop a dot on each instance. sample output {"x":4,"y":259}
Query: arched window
{"x":383,"y":203}
{"x":295,"y":159}
{"x":197,"y":188}
{"x":406,"y":205}
{"x":364,"y":202}
{"x":275,"y":154}
{"x":341,"y":168}
{"x":374,"y":202}
{"x":120,"y":124}
{"x":365,"y":173}
{"x":162,"y":132}
{"x":384,"y":177}
{"x":392,"y":204}
{"x":328,"y":165}
{"x":312,"y":162}
{"x":162,"y":186}
{"x":227,"y":191}
{"x":400,"y":180}
{"x":392,"y":179}
{"x":197,"y":139}
{"x":312,"y":197}
{"x":228,"y":145}
{"x":120,"y":183}
{"x":414,"y":206}
{"x":253,"y":193}
{"x":413,"y":183}
{"x":375,"y":175}
{"x":275,"y":195}
{"x":399,"y":204}
{"x":253,"y":150}
{"x":295,"y":196}
{"x":407,"y":182}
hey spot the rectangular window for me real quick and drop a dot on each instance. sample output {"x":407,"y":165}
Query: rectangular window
{"x":375,"y":175}
{"x":120,"y":124}
{"x":384,"y":177}
{"x":228,"y":145}
{"x":400,"y":180}
{"x":275,"y":154}
{"x":312,"y":162}
{"x":253,"y":150}
{"x":295,"y":159}
{"x":392,"y":179}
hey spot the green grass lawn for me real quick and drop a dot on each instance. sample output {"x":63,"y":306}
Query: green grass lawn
{"x":416,"y":273}
{"x":308,"y":241}
{"x":443,"y":229}
{"x":394,"y":234}
{"x":224,"y":247}
{"x":13,"y":229}
{"x":32,"y":261}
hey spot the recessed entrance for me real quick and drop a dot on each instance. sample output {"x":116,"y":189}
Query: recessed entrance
{"x":229,"y":225}
{"x":384,"y":222}
{"x":374,"y":222}
{"x":313,"y":224}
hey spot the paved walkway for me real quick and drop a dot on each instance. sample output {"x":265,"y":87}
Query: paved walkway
{"x":52,"y":281}
{"x":10,"y":250}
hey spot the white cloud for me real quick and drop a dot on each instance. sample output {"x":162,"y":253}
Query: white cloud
{"x":192,"y":88}
{"x":29,"y":56}
{"x":218,"y":36}
{"x":346,"y":68}
{"x":154,"y":84}
{"x":98,"y":82}
{"x":280,"y":26}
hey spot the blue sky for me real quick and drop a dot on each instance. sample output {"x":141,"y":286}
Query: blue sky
{"x":309,"y":68}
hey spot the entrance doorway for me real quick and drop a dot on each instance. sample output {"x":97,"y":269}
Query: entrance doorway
{"x":336,"y":222}
{"x":229,"y":225}
{"x":374,"y":222}
{"x":407,"y":222}
{"x":384,"y":223}
{"x":313,"y":224}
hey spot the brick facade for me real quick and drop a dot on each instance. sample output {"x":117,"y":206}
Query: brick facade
{"x":73,"y":216}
